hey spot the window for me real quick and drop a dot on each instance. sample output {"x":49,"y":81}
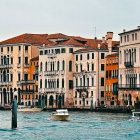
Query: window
{"x":70,"y":50}
{"x":92,"y":81}
{"x":11,"y":77}
{"x":70,"y":84}
{"x":76,"y":57}
{"x":102,"y":102}
{"x":40,"y":83}
{"x":102,"y":81}
{"x":87,"y":56}
{"x":62,"y":83}
{"x":127,"y":38}
{"x":26,"y":48}
{"x":121,"y":39}
{"x":81,"y":68}
{"x":41,"y":66}
{"x":63,"y":50}
{"x":7,"y":49}
{"x":135,"y":36}
{"x":19,"y":48}
{"x":102,"y":67}
{"x":92,"y":55}
{"x":1,"y":49}
{"x":91,"y":93}
{"x":102,"y":55}
{"x":75,"y":94}
{"x":124,"y":38}
{"x":63,"y":65}
{"x":70,"y":66}
{"x":87,"y":81}
{"x":92,"y":67}
{"x":132,"y":37}
{"x":46,"y":52}
{"x":26,"y":77}
{"x":76,"y":68}
{"x":46,"y":68}
{"x":18,"y":76}
{"x":11,"y":60}
{"x":107,"y":74}
{"x":26,"y":60}
{"x":81,"y":57}
{"x":41,"y":52}
{"x":102,"y":93}
{"x":57,"y":51}
{"x":58,"y":65}
{"x":76,"y":81}
{"x":12,"y":49}
{"x":45,"y":83}
{"x":57,"y":83}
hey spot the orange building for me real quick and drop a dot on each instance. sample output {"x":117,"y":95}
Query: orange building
{"x":111,"y":80}
{"x":29,"y":91}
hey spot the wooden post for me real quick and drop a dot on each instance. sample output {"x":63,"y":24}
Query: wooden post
{"x":14,"y":114}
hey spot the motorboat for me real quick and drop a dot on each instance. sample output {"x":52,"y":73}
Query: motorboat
{"x":60,"y":114}
{"x":136,"y":115}
{"x":29,"y":109}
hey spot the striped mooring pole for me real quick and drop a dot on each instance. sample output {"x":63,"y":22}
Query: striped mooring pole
{"x":14,"y":114}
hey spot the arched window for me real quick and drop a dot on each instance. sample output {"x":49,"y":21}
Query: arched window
{"x":45,"y":83}
{"x":40,"y":83}
{"x":46,"y":69}
{"x":63,"y":65}
{"x":41,"y":66}
{"x":70,"y":65}
{"x":76,"y":68}
{"x":58,"y":65}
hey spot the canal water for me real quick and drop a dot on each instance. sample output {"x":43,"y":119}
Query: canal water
{"x":81,"y":126}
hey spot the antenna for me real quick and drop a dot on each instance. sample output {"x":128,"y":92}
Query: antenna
{"x":95,"y":31}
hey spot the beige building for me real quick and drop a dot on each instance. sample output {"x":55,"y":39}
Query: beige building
{"x":72,"y":70}
{"x":89,"y":73}
{"x":15,"y":56}
{"x":129,"y":67}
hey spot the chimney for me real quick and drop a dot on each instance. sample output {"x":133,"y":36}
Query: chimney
{"x":124,"y":30}
{"x":95,"y":38}
{"x":109,"y":41}
{"x":99,"y":45}
{"x":103,"y":39}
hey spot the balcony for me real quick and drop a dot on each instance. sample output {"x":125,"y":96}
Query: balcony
{"x":6,"y":66}
{"x":129,"y":86}
{"x":26,"y":82}
{"x":82,"y":88}
{"x":51,"y":55}
{"x":129,"y":64}
{"x":18,"y":65}
{"x":26,"y":65}
{"x":51,"y":73}
{"x":27,"y":91}
{"x":5,"y":83}
{"x":51,"y":90}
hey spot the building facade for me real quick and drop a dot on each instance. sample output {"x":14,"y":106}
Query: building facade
{"x":111,"y":80}
{"x":129,"y":67}
{"x":15,"y":56}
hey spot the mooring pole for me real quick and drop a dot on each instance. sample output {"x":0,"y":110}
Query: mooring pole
{"x":14,"y":114}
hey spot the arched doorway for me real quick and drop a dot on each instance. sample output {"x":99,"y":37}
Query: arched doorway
{"x":4,"y":97}
{"x":59,"y":102}
{"x":130,"y":99}
{"x":51,"y":100}
{"x":46,"y":100}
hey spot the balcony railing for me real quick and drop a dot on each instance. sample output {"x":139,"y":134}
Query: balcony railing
{"x":129,"y":64}
{"x":82,"y":88}
{"x":6,"y":66}
{"x":26,"y":82}
{"x":51,"y":73}
{"x":26,"y":65}
{"x":129,"y":86}
{"x":18,"y":65}
{"x":27,"y":91}
{"x":51,"y":55}
{"x":5,"y":83}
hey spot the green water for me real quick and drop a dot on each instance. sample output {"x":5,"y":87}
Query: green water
{"x":81,"y":126}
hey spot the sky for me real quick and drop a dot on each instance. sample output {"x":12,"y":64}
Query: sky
{"x":85,"y":18}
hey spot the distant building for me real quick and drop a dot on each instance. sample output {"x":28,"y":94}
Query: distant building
{"x":15,"y":56}
{"x":111,"y":79}
{"x":129,"y":67}
{"x":89,"y":75}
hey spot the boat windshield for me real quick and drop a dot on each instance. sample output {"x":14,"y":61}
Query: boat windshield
{"x":137,"y":114}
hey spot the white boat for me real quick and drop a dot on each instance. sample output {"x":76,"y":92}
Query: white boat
{"x":136,"y":115}
{"x":60,"y":114}
{"x":29,"y":109}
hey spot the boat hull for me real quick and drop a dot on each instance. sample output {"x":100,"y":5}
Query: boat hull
{"x":60,"y":117}
{"x":30,"y":109}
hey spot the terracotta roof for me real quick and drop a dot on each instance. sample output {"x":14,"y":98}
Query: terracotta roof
{"x":35,"y":58}
{"x":28,"y":38}
{"x":58,"y":35}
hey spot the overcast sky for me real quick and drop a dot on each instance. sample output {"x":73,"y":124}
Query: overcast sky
{"x":72,"y":17}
